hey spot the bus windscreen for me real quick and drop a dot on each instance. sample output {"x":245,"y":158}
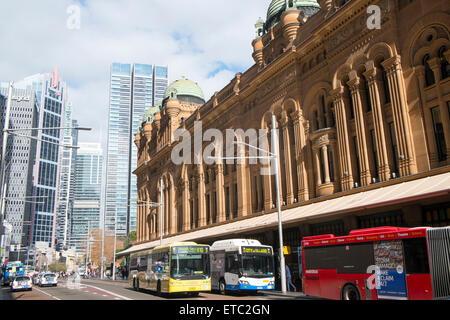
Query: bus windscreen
{"x":189,"y":263}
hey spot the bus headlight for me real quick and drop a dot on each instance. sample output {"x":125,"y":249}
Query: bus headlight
{"x":243,"y":282}
{"x":271,"y":283}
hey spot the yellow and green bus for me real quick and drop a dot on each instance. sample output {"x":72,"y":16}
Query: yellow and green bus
{"x":181,"y":267}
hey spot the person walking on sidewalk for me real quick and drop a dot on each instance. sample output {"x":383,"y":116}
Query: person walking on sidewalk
{"x":289,"y":279}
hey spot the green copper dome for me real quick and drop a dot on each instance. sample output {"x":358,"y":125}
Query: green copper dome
{"x":277,"y":7}
{"x":184,"y":88}
{"x":149,"y":115}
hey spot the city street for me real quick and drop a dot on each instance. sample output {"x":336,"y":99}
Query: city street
{"x":109,"y":290}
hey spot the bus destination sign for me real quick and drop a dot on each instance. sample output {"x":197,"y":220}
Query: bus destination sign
{"x":190,"y":250}
{"x":256,"y":250}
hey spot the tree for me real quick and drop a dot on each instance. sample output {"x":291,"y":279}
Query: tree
{"x":57,"y":267}
{"x":128,"y":241}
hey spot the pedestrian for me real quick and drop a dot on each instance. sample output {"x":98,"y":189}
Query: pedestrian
{"x":289,"y":279}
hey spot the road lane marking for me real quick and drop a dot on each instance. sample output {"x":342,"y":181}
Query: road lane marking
{"x":56,"y":298}
{"x":109,"y":292}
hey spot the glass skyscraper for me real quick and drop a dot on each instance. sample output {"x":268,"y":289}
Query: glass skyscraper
{"x":51,"y":97}
{"x":133,"y":89}
{"x":66,"y":179}
{"x":86,"y":194}
{"x":19,"y":161}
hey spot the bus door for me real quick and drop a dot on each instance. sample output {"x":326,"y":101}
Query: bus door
{"x":217,"y":267}
{"x":232,"y":270}
{"x":300,"y":266}
{"x":389,"y":258}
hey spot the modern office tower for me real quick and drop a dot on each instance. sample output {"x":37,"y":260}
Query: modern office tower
{"x":51,"y":96}
{"x":87,"y":194}
{"x":133,"y":89}
{"x":66,"y":180}
{"x":19,"y":161}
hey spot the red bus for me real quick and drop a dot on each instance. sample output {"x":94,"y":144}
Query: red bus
{"x":380,"y":263}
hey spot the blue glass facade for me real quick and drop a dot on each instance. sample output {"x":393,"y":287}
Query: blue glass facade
{"x":51,"y":97}
{"x":133,"y":89}
{"x":87,"y":194}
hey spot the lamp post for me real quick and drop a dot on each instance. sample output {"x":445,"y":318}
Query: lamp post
{"x":273,"y":156}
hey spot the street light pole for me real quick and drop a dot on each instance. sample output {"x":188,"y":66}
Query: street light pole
{"x":273,"y":156}
{"x":161,"y":212}
{"x":275,"y":149}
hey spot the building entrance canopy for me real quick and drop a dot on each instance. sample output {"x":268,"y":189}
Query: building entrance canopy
{"x":428,"y":187}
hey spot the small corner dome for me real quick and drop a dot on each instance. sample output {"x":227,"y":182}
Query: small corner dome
{"x":185,"y":90}
{"x":277,"y":7}
{"x":149,"y":115}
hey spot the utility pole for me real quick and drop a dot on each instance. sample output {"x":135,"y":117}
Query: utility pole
{"x":275,"y":150}
{"x":161,"y":212}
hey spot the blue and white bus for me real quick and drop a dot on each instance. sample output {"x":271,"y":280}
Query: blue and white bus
{"x":241,"y":265}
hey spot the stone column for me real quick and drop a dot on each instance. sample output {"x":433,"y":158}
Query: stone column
{"x":157,"y":216}
{"x":173,"y":212}
{"x":220,"y":193}
{"x":300,"y":150}
{"x":343,"y":140}
{"x":186,"y":207}
{"x":317,"y":167}
{"x":201,"y":197}
{"x":324,"y":150}
{"x":265,"y":167}
{"x":287,"y":158}
{"x":243,"y":190}
{"x":435,"y":65}
{"x":372,"y":75}
{"x":407,"y":161}
{"x":148,"y":211}
{"x":354,"y":85}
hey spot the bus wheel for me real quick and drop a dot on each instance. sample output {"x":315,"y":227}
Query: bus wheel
{"x":222,"y":287}
{"x":194,"y":294}
{"x":350,"y":293}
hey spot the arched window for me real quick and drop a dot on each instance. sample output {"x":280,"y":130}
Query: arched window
{"x":324,"y":112}
{"x":445,"y":66}
{"x":387,"y":94}
{"x":316,"y":120}
{"x":429,"y":75}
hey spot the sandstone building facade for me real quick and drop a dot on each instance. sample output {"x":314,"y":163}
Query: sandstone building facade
{"x":362,"y":114}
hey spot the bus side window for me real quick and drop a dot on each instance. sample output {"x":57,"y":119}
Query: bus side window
{"x":416,"y":256}
{"x":165,"y":262}
{"x":232,"y":263}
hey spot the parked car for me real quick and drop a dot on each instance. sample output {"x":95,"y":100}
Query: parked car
{"x":21,"y":283}
{"x":48,"y":279}
{"x":36,"y":278}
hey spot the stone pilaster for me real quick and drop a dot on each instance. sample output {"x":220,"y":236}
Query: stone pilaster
{"x":343,"y":139}
{"x":373,"y":83}
{"x":407,"y":161}
{"x":354,"y":85}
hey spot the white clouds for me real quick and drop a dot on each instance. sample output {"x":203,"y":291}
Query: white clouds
{"x":195,"y":38}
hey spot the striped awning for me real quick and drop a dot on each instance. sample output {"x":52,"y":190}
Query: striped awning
{"x":404,"y":192}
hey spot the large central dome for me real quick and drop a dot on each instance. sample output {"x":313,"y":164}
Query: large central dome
{"x":277,"y":7}
{"x":185,"y":90}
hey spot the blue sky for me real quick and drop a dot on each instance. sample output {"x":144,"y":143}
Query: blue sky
{"x":205,"y":41}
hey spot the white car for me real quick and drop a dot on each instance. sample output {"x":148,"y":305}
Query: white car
{"x":48,"y":279}
{"x":21,"y":283}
